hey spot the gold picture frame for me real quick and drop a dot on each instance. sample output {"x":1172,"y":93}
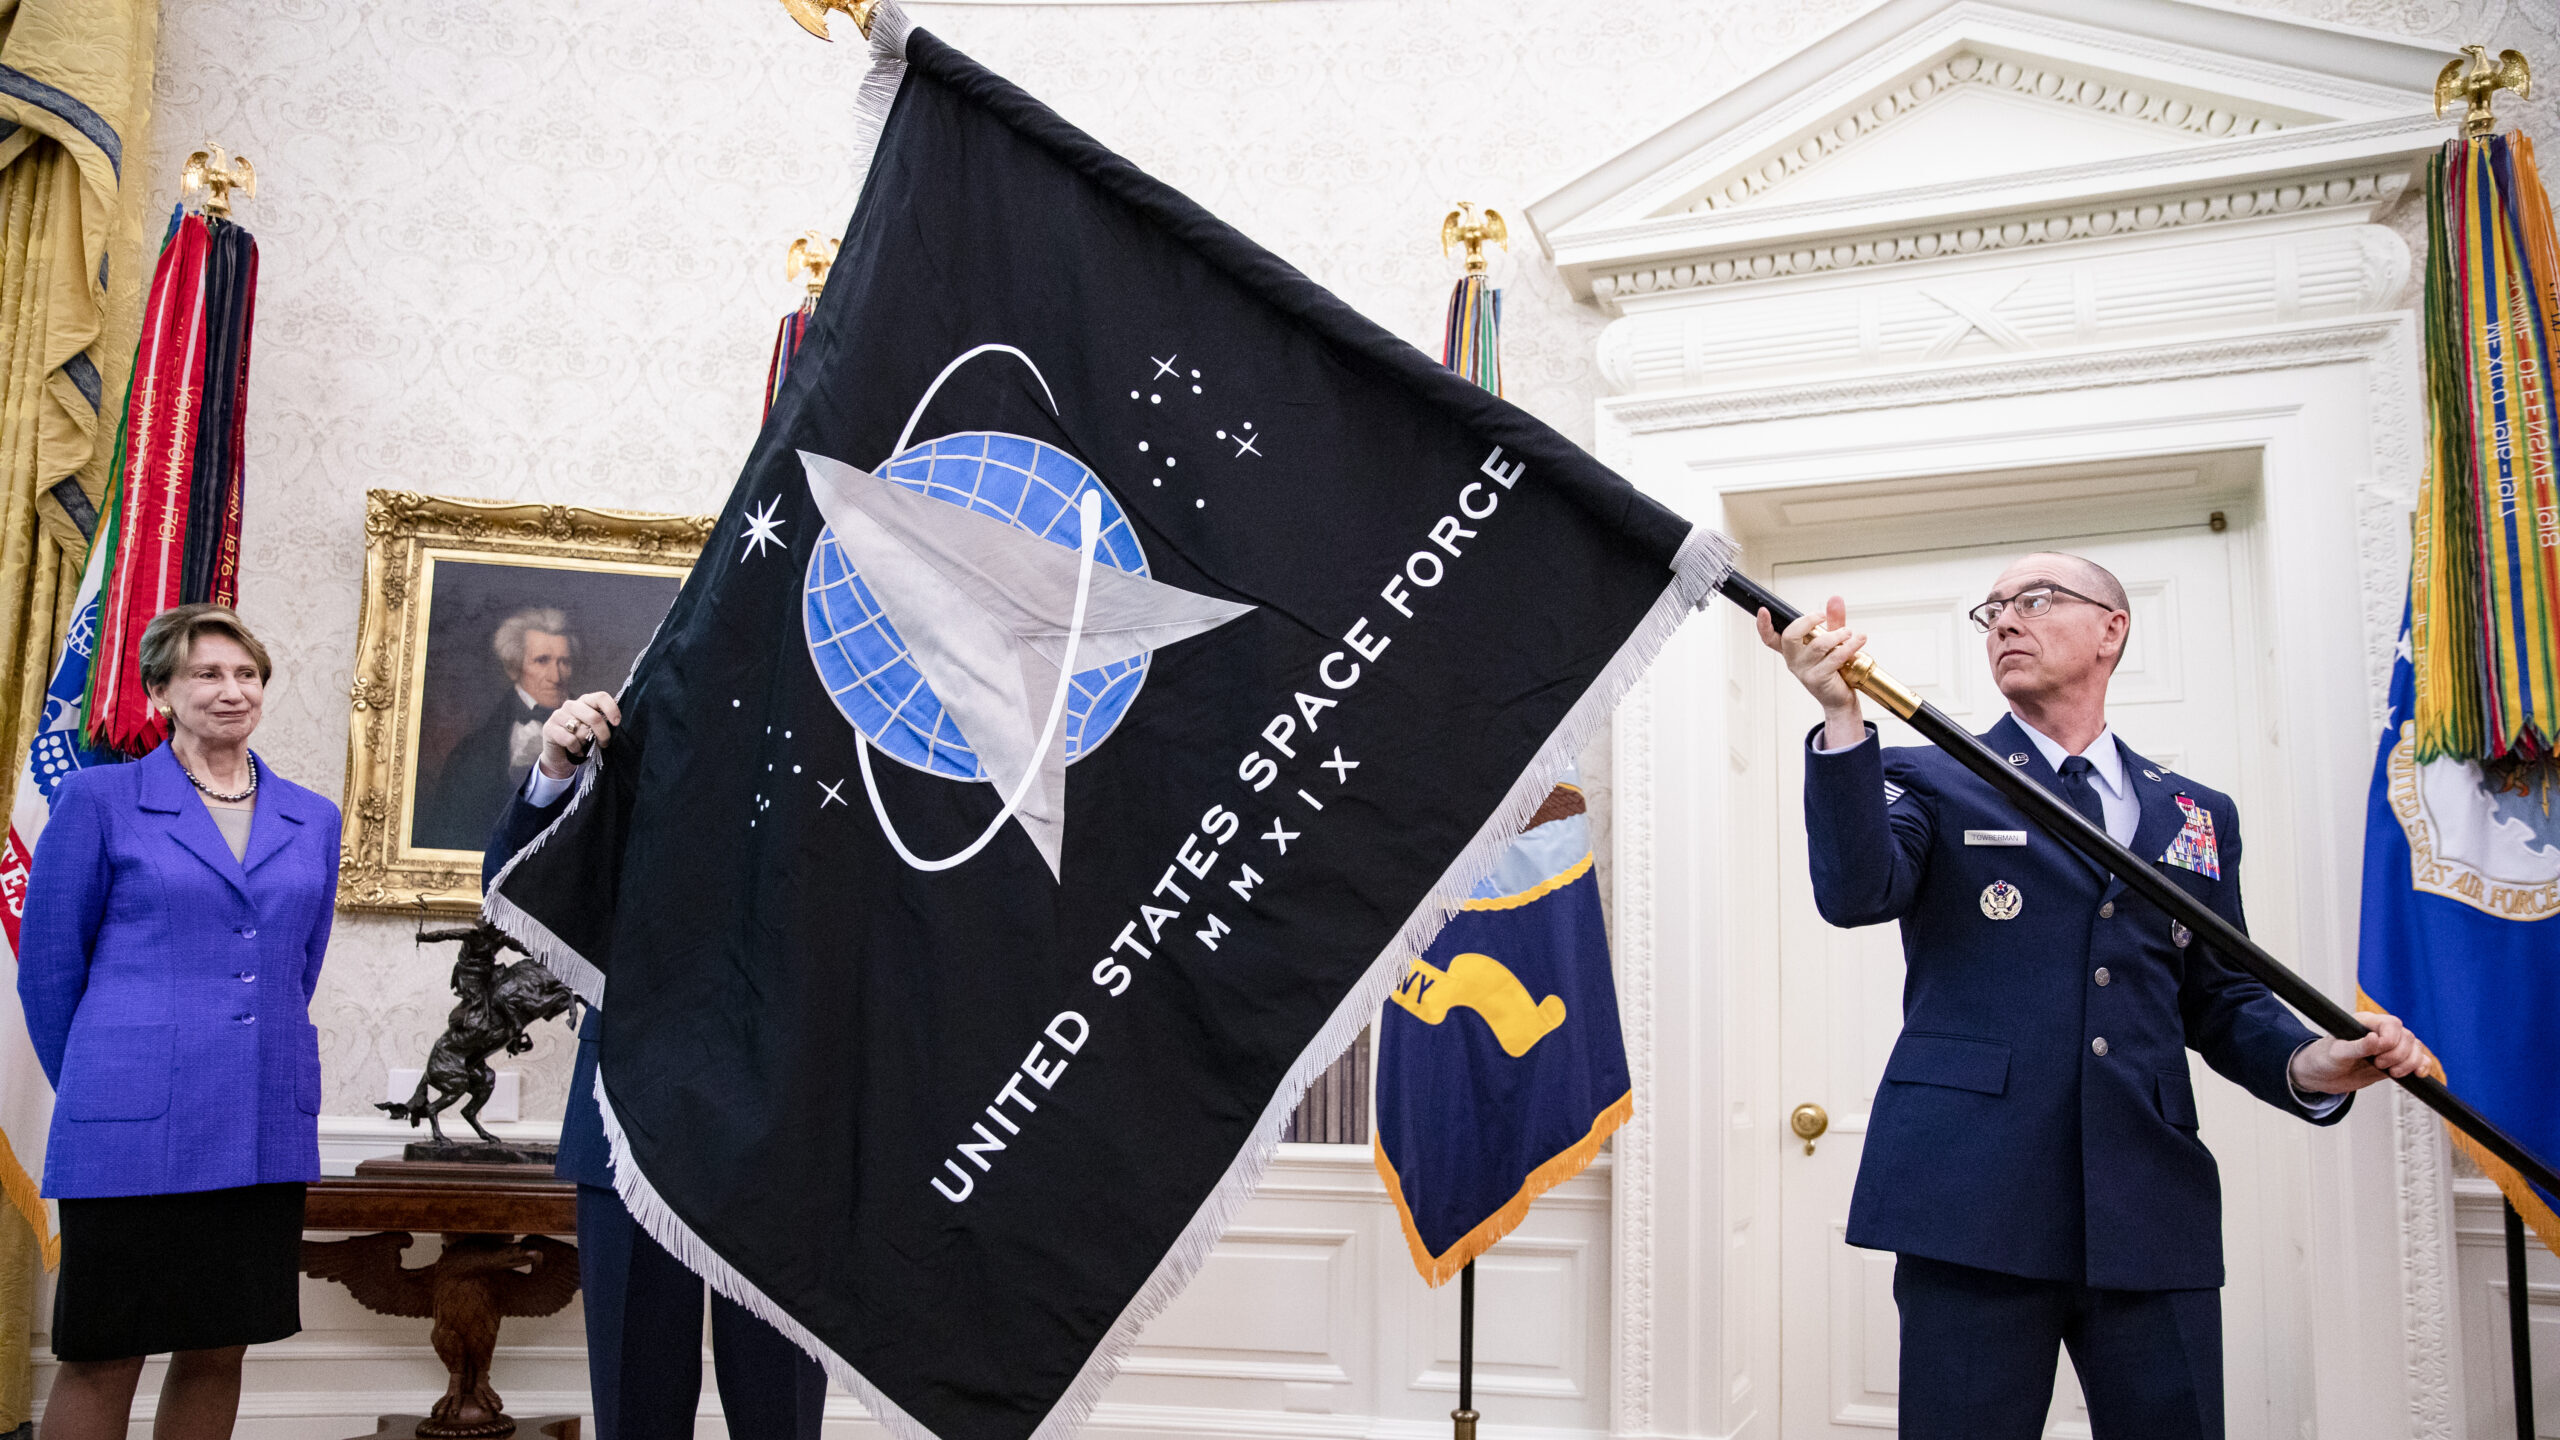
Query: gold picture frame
{"x":429,"y":666}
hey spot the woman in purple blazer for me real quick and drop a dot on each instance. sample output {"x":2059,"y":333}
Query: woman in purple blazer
{"x":175,"y":923}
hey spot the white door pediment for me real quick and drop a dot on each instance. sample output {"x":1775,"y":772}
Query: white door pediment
{"x":1930,"y":112}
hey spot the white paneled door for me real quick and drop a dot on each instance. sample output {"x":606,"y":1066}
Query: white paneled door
{"x":2174,"y":700}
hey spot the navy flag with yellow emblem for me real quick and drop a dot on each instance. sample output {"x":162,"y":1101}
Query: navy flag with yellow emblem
{"x":1116,"y":661}
{"x":1501,"y":1070}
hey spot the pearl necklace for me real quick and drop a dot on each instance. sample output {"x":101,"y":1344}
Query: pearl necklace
{"x":212,"y":794}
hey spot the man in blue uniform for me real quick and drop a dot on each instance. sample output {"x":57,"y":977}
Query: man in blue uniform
{"x":2033,"y":1158}
{"x":644,"y":1308}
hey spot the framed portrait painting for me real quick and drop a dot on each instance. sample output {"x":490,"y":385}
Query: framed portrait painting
{"x":479,"y":617}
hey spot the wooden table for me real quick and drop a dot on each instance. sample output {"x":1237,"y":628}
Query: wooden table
{"x":499,"y":1259}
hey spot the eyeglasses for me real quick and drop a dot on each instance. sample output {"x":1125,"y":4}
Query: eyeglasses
{"x":2032,"y":603}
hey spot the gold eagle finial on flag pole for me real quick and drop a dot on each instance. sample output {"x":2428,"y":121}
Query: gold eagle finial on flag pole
{"x":812,"y":255}
{"x":2479,"y":78}
{"x":812,"y":14}
{"x":1463,"y":228}
{"x":212,"y":173}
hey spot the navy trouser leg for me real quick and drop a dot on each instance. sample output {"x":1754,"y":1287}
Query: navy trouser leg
{"x":2150,"y":1362}
{"x":1979,"y":1350}
{"x":647,"y":1376}
{"x":604,"y":1256}
{"x":769,"y":1388}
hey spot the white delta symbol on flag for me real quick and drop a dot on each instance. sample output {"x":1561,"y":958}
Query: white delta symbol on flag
{"x":980,"y":609}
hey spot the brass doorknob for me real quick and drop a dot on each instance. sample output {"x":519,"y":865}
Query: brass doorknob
{"x":1808,"y":1122}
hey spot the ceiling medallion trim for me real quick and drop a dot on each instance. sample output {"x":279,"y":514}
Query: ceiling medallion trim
{"x":1982,"y":236}
{"x":2212,"y":118}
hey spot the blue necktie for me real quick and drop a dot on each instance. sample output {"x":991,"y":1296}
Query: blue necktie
{"x":2077,"y":775}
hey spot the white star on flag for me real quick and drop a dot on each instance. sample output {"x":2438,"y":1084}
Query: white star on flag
{"x":763,"y":529}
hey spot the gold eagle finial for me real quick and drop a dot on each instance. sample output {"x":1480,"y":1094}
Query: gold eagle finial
{"x":212,"y":173}
{"x":812,"y":255}
{"x":812,"y":14}
{"x":2478,"y":78}
{"x":1463,"y":228}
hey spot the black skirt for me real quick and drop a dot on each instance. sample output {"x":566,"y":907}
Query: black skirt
{"x":148,"y":1274}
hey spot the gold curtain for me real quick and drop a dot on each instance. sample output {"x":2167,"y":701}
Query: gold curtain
{"x":75,"y":92}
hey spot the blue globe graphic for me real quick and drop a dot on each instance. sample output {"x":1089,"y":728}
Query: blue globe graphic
{"x":865,"y":665}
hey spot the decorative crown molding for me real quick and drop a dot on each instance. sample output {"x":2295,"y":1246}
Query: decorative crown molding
{"x":1940,"y":241}
{"x":2064,"y":87}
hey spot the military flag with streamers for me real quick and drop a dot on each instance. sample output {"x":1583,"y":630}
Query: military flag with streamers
{"x":1114,"y":664}
{"x":2462,"y":852}
{"x":2485,"y":599}
{"x":1501,"y":1069}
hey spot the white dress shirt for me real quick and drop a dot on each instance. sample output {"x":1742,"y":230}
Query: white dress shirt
{"x":540,"y":789}
{"x":2116,"y":799}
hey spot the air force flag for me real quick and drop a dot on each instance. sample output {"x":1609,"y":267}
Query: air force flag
{"x":1501,"y":1070}
{"x":1115,"y":662}
{"x":2462,"y":932}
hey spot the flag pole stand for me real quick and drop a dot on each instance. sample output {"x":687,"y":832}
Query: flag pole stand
{"x":1462,"y":1421}
{"x":2519,"y":1328}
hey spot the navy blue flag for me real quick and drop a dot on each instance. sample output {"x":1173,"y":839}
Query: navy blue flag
{"x":2462,"y":932}
{"x":1115,"y":662}
{"x":1501,"y":1069}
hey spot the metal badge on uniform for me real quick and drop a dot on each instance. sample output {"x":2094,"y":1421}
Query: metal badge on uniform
{"x":2194,"y":848}
{"x":2150,"y":775}
{"x":2017,"y":757}
{"x":2001,"y":900}
{"x":1995,"y":837}
{"x":2179,"y":935}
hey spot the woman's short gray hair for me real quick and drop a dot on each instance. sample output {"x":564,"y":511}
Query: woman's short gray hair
{"x":509,"y":641}
{"x":171,"y":637}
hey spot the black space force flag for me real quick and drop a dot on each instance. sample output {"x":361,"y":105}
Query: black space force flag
{"x":1115,"y":662}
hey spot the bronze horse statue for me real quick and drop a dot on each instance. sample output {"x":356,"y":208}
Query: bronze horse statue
{"x":498,"y":1005}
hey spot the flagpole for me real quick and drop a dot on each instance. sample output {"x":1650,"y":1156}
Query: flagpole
{"x":1462,"y":1420}
{"x":2519,"y":1325}
{"x":2058,"y":819}
{"x":1471,"y":346}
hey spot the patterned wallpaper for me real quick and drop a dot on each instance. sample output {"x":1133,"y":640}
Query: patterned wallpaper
{"x":534,"y":252}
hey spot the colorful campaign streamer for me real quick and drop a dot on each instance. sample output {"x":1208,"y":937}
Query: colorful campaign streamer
{"x":1471,"y":343}
{"x":2485,"y":576}
{"x":170,"y":524}
{"x":786,"y":343}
